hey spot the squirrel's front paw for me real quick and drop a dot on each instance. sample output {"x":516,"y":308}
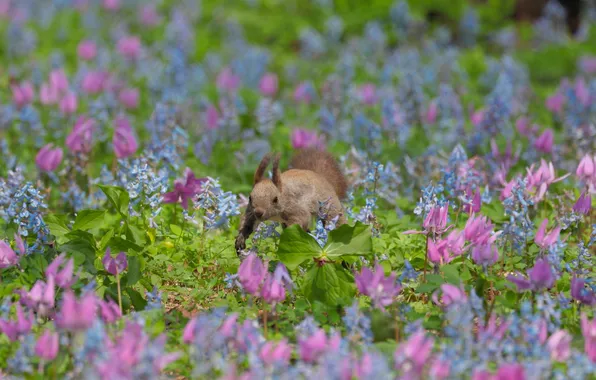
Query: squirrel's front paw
{"x":240,"y":243}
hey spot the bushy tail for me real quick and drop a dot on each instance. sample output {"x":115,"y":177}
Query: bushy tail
{"x":323,"y":164}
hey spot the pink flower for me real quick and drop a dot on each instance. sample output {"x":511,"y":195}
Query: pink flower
{"x":436,"y":219}
{"x":476,"y":202}
{"x":582,"y":92}
{"x":87,"y":50}
{"x":129,"y":97}
{"x":13,"y":329}
{"x":431,"y":113}
{"x":450,"y":294}
{"x":94,"y":82}
{"x":544,"y":142}
{"x":268,"y":85}
{"x":129,"y":46}
{"x":540,"y":277}
{"x":511,"y":372}
{"x":544,"y":240}
{"x":559,"y":346}
{"x":368,"y":94}
{"x":188,"y":335}
{"x":76,"y":315}
{"x":47,"y":346}
{"x":229,"y":326}
{"x":486,"y":254}
{"x":555,"y":103}
{"x":381,"y":289}
{"x":114,"y":266}
{"x":412,"y":355}
{"x":212,"y":117}
{"x":589,"y":333}
{"x":148,"y":15}
{"x":64,"y":277}
{"x":272,"y":290}
{"x":59,"y":81}
{"x":227,"y":81}
{"x":81,"y":136}
{"x":477,"y":117}
{"x":588,"y":64}
{"x":48,"y":94}
{"x":439,"y":369}
{"x":540,"y":180}
{"x":251,"y":274}
{"x":48,"y":159}
{"x":68,"y":104}
{"x":8,"y":257}
{"x":184,"y":189}
{"x":304,"y":93}
{"x":109,"y":311}
{"x":276,"y":353}
{"x":583,"y":204}
{"x":586,"y":170}
{"x":20,"y":244}
{"x":111,"y":5}
{"x":522,"y":125}
{"x":479,"y":230}
{"x":312,"y":347}
{"x":23,"y":94}
{"x":124,"y":140}
{"x":304,"y":138}
{"x":40,"y":297}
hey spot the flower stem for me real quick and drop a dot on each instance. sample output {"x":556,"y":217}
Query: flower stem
{"x":119,"y":292}
{"x":265,"y":322}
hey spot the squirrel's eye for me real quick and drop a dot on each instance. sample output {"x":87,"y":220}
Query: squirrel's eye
{"x":275,"y":200}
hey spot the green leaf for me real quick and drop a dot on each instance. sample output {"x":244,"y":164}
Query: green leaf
{"x":105,"y":239}
{"x":296,"y":246}
{"x":134,"y":271}
{"x":135,"y":234}
{"x":81,"y":246}
{"x":136,"y":299}
{"x":89,"y":219}
{"x":56,"y":225}
{"x":118,"y":197}
{"x":349,"y":241}
{"x":328,"y":284}
{"x":176,"y":230}
{"x":117,"y":244}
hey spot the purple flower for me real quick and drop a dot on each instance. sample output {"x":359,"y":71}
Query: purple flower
{"x":544,"y":240}
{"x":268,"y":85}
{"x":412,"y":355}
{"x":312,"y":347}
{"x":586,"y":170}
{"x":8,"y":257}
{"x":381,"y":290}
{"x":68,"y":104}
{"x":129,"y":98}
{"x":251,"y":274}
{"x":40,"y":297}
{"x":544,"y":142}
{"x":148,"y":15}
{"x":109,"y":311}
{"x":542,"y":178}
{"x":184,"y":189}
{"x":559,"y":345}
{"x":59,"y":81}
{"x":272,"y":290}
{"x":124,"y":140}
{"x":304,"y":93}
{"x":20,"y":244}
{"x":276,"y":353}
{"x":450,"y":294}
{"x":477,"y":117}
{"x":589,"y":333}
{"x":48,"y":94}
{"x":129,"y":46}
{"x":76,"y":315}
{"x":81,"y":136}
{"x":94,"y":82}
{"x":116,"y":265}
{"x":304,"y":138}
{"x":47,"y":346}
{"x":588,"y":64}
{"x":436,"y":219}
{"x":22,"y":94}
{"x":439,"y":369}
{"x":555,"y":102}
{"x":580,"y":293}
{"x":583,"y":204}
{"x":485,"y":254}
{"x":212,"y":117}
{"x":476,"y":203}
{"x":64,"y":277}
{"x":48,"y":159}
{"x":540,"y":276}
{"x":111,"y":5}
{"x":437,"y":252}
{"x":511,"y":371}
{"x":431,"y":113}
{"x":368,"y":94}
{"x":227,"y":81}
{"x":582,"y":92}
{"x":87,"y":50}
{"x":13,"y":329}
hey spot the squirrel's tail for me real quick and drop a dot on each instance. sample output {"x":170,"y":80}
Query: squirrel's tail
{"x":323,"y":164}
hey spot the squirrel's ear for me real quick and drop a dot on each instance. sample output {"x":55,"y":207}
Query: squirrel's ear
{"x":276,"y":172}
{"x":262,"y":166}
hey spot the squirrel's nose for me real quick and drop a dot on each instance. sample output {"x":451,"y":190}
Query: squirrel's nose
{"x":259,"y":213}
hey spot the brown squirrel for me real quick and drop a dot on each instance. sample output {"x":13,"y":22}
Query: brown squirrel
{"x":293,"y":197}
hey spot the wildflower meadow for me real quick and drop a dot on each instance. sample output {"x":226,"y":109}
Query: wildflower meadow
{"x":130,"y":132}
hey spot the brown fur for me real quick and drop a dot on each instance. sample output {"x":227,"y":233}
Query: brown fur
{"x":293,"y":197}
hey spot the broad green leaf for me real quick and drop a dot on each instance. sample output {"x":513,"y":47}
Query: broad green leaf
{"x":176,"y":230}
{"x":118,"y":197}
{"x":89,"y":219}
{"x":296,"y":246}
{"x":135,"y":234}
{"x":56,"y":225}
{"x":117,"y":244}
{"x":81,"y":246}
{"x":105,"y":239}
{"x":134,"y":270}
{"x":349,"y":241}
{"x":136,"y":299}
{"x":328,"y":284}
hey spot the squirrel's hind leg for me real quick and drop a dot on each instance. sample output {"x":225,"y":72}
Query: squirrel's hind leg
{"x":298,"y":216}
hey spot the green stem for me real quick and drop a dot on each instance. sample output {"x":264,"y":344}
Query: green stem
{"x":119,"y":292}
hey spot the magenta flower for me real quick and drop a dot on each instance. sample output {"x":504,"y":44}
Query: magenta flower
{"x":87,"y":50}
{"x":555,"y":102}
{"x":81,"y":136}
{"x":272,"y":290}
{"x":582,"y":92}
{"x":47,"y":346}
{"x":583,"y":204}
{"x":304,"y":138}
{"x":111,"y":5}
{"x":485,"y":254}
{"x":367,"y":94}
{"x":436,"y":219}
{"x":540,"y":277}
{"x":589,"y":333}
{"x":76,"y":315}
{"x":412,"y":355}
{"x":455,"y":243}
{"x":109,"y":311}
{"x":439,"y":369}
{"x":542,"y":178}
{"x":544,"y":142}
{"x":227,"y":81}
{"x":20,"y":244}
{"x":59,"y":81}
{"x":48,"y":159}
{"x":450,"y":294}
{"x":586,"y":170}
{"x":40,"y":297}
{"x":124,"y":140}
{"x":477,"y":117}
{"x":212,"y":117}
{"x":63,"y":277}
{"x":114,"y":266}
{"x":476,"y":203}
{"x":48,"y":94}
{"x":22,"y":94}
{"x":522,"y":125}
{"x":229,"y":326}
{"x":251,"y":274}
{"x":579,"y":292}
{"x":511,"y":371}
{"x":13,"y":329}
{"x":276,"y":353}
{"x":437,"y":251}
{"x":491,"y":330}
{"x":381,"y":290}
{"x":268,"y":85}
{"x":148,"y":15}
{"x":312,"y":347}
{"x":544,"y":240}
{"x":184,"y":189}
{"x":188,"y":335}
{"x":304,"y":93}
{"x":8,"y":257}
{"x":129,"y":47}
{"x":94,"y":82}
{"x":431,"y":113}
{"x":129,"y":98}
{"x":559,"y":345}
{"x":68,"y":104}
{"x":479,"y":230}
{"x":588,"y":64}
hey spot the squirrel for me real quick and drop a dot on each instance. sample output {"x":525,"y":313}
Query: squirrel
{"x":294,"y":196}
